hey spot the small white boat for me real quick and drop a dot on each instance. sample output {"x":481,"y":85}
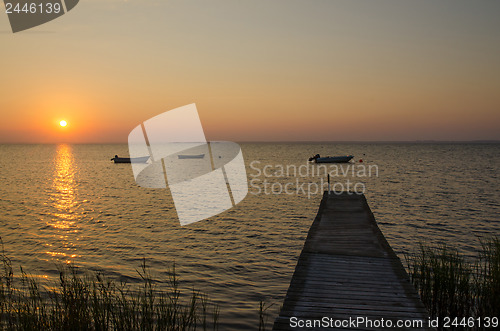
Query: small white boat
{"x":197,"y":156}
{"x":331,"y":159}
{"x":142,"y":159}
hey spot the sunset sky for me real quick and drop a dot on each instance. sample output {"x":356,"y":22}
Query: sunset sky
{"x":258,"y":70}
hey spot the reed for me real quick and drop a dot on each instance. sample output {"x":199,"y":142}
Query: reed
{"x":451,"y":285}
{"x":90,"y":301}
{"x":488,"y":280}
{"x":264,"y":307}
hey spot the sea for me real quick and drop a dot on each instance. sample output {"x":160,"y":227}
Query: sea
{"x":69,"y":204}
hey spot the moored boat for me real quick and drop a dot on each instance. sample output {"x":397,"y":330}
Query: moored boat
{"x":197,"y":156}
{"x":331,"y":159}
{"x":142,"y":159}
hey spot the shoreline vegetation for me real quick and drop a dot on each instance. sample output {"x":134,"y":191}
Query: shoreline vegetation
{"x":90,"y":301}
{"x":82,"y":300}
{"x":448,"y":283}
{"x":451,"y":285}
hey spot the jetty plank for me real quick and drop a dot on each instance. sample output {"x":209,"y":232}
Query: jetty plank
{"x":348,"y":270}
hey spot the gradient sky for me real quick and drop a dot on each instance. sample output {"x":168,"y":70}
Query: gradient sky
{"x":257,"y":70}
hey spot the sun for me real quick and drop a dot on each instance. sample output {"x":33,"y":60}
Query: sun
{"x":63,"y":123}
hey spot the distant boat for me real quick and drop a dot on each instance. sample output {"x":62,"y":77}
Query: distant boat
{"x":197,"y":156}
{"x":331,"y":159}
{"x":142,"y":159}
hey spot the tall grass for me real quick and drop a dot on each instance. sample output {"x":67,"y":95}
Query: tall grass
{"x":90,"y":301}
{"x":264,"y":314}
{"x":451,"y":285}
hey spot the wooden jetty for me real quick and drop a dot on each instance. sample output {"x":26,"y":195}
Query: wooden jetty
{"x":347,"y":271}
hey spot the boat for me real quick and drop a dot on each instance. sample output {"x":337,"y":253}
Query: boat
{"x":331,"y":159}
{"x":197,"y":156}
{"x":142,"y":159}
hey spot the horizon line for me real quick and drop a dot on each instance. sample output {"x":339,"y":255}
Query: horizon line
{"x":423,"y":141}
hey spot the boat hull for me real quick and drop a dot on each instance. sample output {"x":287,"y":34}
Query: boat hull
{"x":199,"y":156}
{"x":334,"y":159}
{"x":143,"y":159}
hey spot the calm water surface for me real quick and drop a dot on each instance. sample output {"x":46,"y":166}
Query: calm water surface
{"x":70,"y":204}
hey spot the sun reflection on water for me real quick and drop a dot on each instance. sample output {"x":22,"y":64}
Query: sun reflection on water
{"x":64,"y":201}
